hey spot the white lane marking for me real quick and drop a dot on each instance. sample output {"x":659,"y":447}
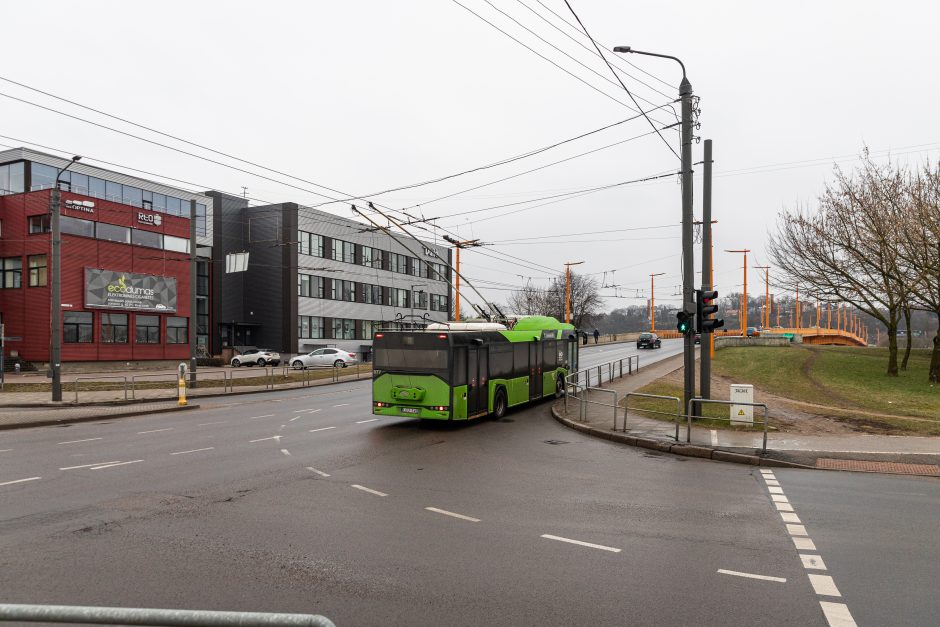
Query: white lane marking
{"x":273,"y":437}
{"x":837,"y":614}
{"x":5,"y":450}
{"x":319,"y":472}
{"x":722,"y":571}
{"x":260,"y":417}
{"x":206,"y":424}
{"x":771,"y":482}
{"x":341,"y":405}
{"x":369,"y":490}
{"x":155,"y":431}
{"x":89,"y":465}
{"x":824,"y":585}
{"x":796,"y":530}
{"x":293,"y":419}
{"x":803,"y":544}
{"x":20,"y":480}
{"x":813,"y":562}
{"x":766,"y":471}
{"x":790,"y":517}
{"x":714,"y":437}
{"x":580,"y":543}
{"x":775,"y":489}
{"x":779,"y":498}
{"x":136,"y":461}
{"x":453,"y":514}
{"x":285,"y":451}
{"x":77,"y":441}
{"x":321,"y":429}
{"x":359,"y":422}
{"x":195,"y":450}
{"x":784,"y":507}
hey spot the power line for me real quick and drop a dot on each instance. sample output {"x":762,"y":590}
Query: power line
{"x":617,"y":76}
{"x":635,"y":228}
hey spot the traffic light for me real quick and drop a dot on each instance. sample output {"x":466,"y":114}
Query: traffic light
{"x":705,"y":306}
{"x":684,"y":322}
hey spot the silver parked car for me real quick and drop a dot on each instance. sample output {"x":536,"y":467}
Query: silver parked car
{"x":324,"y":357}
{"x":257,"y":356}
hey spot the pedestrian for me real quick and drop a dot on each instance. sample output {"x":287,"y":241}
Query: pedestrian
{"x":597,"y":334}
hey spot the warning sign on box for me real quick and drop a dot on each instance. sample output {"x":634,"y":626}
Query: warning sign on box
{"x":742,"y":393}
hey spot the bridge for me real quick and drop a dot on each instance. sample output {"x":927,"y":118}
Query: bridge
{"x":811,"y":335}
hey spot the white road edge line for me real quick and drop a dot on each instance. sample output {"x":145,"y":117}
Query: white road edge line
{"x":837,"y":614}
{"x":319,"y":472}
{"x":206,"y":424}
{"x":77,"y":441}
{"x":824,"y":585}
{"x":369,"y":490}
{"x":285,"y":451}
{"x":803,"y":544}
{"x":453,"y":514}
{"x":155,"y":431}
{"x":722,"y":571}
{"x":20,"y":480}
{"x":195,"y":450}
{"x":580,"y":543}
{"x":714,"y":437}
{"x":790,"y":517}
{"x":89,"y":465}
{"x":117,"y":464}
{"x":359,"y":422}
{"x":321,"y":429}
{"x":5,"y":450}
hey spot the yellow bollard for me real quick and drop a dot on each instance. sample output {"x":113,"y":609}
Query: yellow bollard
{"x":182,"y":392}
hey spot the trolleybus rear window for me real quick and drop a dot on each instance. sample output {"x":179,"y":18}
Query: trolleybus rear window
{"x":411,"y":359}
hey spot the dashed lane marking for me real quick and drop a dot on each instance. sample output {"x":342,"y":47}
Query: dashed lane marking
{"x":773,"y":482}
{"x":136,"y":461}
{"x":77,"y":441}
{"x":359,"y":422}
{"x":273,"y":437}
{"x":813,"y":562}
{"x":5,"y":450}
{"x":369,"y":490}
{"x":260,"y":417}
{"x":774,"y":489}
{"x":722,"y":571}
{"x":321,"y":429}
{"x":824,"y":585}
{"x":285,"y":451}
{"x":837,"y":614}
{"x":154,"y":431}
{"x":452,"y":514}
{"x":790,"y":517}
{"x":796,"y":530}
{"x":779,"y":498}
{"x":803,"y":544}
{"x":319,"y":472}
{"x":341,"y":405}
{"x":195,"y":450}
{"x":89,"y":465}
{"x":20,"y":480}
{"x":206,"y":424}
{"x":580,"y":543}
{"x":784,"y":507}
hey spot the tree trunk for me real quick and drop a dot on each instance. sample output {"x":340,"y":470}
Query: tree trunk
{"x":892,"y":347}
{"x":909,"y":337}
{"x":934,"y":376}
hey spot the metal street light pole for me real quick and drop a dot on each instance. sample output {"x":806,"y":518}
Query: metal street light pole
{"x":742,"y":314}
{"x":568,"y":289}
{"x":653,"y":300}
{"x":55,"y":316}
{"x":765,"y":319}
{"x":688,"y":263}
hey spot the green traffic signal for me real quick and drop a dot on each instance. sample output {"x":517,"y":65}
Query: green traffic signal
{"x":684,"y":322}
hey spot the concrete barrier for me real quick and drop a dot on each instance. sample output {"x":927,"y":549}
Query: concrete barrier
{"x":732,"y":341}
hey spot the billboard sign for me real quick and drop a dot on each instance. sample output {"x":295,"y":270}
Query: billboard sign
{"x":109,"y":289}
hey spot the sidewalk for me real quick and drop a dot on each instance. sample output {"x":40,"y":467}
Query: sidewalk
{"x":877,"y":453}
{"x":45,"y":416}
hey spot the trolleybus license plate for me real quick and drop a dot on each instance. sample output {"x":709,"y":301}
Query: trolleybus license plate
{"x":410,"y":410}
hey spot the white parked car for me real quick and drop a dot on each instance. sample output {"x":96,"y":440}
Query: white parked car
{"x":324,"y":357}
{"x":257,"y":356}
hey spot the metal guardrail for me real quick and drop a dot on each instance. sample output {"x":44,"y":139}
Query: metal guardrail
{"x":688,"y":435}
{"x":579,"y":381}
{"x":150,"y":616}
{"x":116,"y":376}
{"x":226,"y":379}
{"x":626,"y":409}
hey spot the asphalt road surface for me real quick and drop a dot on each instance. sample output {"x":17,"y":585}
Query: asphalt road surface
{"x":302,"y":501}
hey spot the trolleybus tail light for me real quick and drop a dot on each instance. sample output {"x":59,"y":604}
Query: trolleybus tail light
{"x":381,"y":404}
{"x":379,"y":335}
{"x":440,"y":408}
{"x":442,"y":336}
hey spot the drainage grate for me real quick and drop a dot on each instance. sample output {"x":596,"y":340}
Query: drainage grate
{"x":890,"y":467}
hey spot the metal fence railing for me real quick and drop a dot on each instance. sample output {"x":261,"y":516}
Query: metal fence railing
{"x":99,"y":379}
{"x":578,"y":384}
{"x":702,"y":401}
{"x":626,"y":409}
{"x":75,"y":614}
{"x":200,"y":374}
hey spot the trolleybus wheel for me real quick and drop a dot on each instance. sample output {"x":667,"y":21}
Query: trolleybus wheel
{"x":499,"y":404}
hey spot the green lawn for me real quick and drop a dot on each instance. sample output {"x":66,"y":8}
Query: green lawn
{"x":837,"y":376}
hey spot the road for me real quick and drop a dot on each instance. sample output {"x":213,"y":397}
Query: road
{"x":301,"y":501}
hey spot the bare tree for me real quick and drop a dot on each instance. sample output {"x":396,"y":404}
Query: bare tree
{"x":586,"y":301}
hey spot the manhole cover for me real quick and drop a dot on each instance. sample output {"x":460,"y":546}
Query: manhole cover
{"x":556,"y":442}
{"x":890,"y":467}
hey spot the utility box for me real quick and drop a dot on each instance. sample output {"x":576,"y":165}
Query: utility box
{"x":742,"y":414}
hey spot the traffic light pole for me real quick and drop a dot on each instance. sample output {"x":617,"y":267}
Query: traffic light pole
{"x":705,"y":359}
{"x":688,"y":263}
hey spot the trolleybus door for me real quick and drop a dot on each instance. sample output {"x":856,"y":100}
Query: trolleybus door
{"x":477,"y":376}
{"x":535,"y":370}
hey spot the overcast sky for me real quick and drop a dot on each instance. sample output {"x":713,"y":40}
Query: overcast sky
{"x":366,"y":96}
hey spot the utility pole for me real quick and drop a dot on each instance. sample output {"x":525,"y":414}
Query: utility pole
{"x":765,"y":319}
{"x":742,"y":314}
{"x":458,"y":244}
{"x":55,"y":314}
{"x":568,"y":289}
{"x":193,"y":274}
{"x":705,"y":356}
{"x":653,"y":300}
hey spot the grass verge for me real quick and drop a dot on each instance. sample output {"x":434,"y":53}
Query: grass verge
{"x":714,"y":416}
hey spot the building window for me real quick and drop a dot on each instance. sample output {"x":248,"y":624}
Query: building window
{"x":417,"y":267}
{"x":40,"y":223}
{"x":133,"y":196}
{"x":114,"y":328}
{"x":420,"y":299}
{"x":11,"y":179}
{"x":372,"y":294}
{"x":344,"y":329}
{"x":37,"y":270}
{"x":439,"y":303}
{"x":397,"y":297}
{"x":310,"y":286}
{"x":439,"y":272}
{"x":77,"y":327}
{"x":42,"y":176}
{"x":75,"y":226}
{"x":147,"y":329}
{"x":372,"y":257}
{"x":112,"y":233}
{"x":11,"y":273}
{"x":112,"y":191}
{"x":310,"y":327}
{"x":398,"y":263}
{"x":311,"y":244}
{"x":344,"y":251}
{"x":177,"y":330}
{"x":149,"y":239}
{"x":175,"y":244}
{"x":370,"y":328}
{"x":96,"y":187}
{"x":344,"y":290}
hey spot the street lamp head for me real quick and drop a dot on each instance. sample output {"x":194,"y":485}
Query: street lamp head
{"x":622,"y":49}
{"x":76,"y":158}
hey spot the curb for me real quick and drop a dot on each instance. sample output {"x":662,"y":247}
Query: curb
{"x":687,"y":450}
{"x":63,"y":421}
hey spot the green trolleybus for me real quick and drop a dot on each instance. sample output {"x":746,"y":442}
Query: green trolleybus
{"x":463,"y":370}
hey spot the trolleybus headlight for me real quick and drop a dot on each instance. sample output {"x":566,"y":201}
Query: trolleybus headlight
{"x":381,"y":404}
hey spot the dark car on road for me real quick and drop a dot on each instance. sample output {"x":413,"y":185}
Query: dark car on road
{"x":648,"y":340}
